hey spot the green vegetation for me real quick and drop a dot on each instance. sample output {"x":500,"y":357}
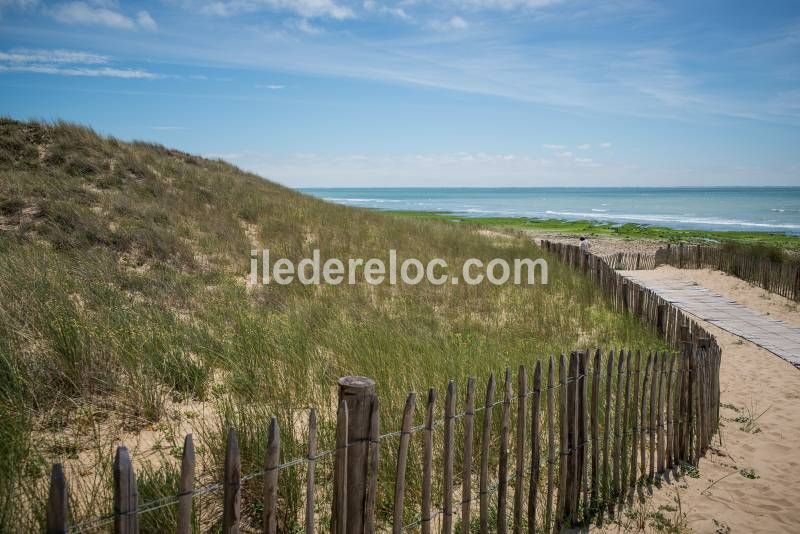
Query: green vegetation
{"x":125,"y":317}
{"x":755,"y":243}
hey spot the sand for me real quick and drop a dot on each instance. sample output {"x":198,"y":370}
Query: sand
{"x":750,"y":480}
{"x":601,"y":246}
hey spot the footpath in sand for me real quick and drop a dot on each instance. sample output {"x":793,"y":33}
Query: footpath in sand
{"x":750,"y":479}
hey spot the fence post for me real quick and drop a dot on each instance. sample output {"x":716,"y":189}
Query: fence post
{"x":358,"y":392}
{"x":660,"y":315}
{"x":624,"y":296}
{"x":796,"y":294}
{"x":126,"y":494}
{"x":58,"y":502}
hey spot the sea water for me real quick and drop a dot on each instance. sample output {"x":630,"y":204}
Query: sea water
{"x":767,"y":209}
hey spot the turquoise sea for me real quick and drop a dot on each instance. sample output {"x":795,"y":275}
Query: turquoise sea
{"x":768,"y":209}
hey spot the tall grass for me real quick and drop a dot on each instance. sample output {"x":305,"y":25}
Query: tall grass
{"x":124,"y":315}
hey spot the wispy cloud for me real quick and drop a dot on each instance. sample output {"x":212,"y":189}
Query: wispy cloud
{"x":100,"y":14}
{"x":66,"y":63}
{"x":394,"y":11}
{"x":271,"y":86}
{"x":26,"y":55}
{"x":453,"y":23}
{"x":303,"y":8}
{"x":303,"y":25}
{"x":104,"y":72}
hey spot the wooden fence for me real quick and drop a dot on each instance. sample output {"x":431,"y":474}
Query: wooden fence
{"x":573,"y":443}
{"x":782,"y":278}
{"x":632,"y":261}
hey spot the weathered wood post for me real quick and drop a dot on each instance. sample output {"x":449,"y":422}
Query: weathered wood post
{"x":57,"y":502}
{"x":358,"y":392}
{"x":796,"y":292}
{"x":624,"y":296}
{"x":126,"y":494}
{"x":660,"y":316}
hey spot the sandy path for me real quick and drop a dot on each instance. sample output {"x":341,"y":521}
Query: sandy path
{"x":750,"y":480}
{"x":600,"y":245}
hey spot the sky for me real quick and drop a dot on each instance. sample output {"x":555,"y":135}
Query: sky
{"x":328,"y":93}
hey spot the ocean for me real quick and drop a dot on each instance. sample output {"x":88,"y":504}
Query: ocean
{"x":767,"y":209}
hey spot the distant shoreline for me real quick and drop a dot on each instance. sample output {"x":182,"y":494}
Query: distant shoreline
{"x":626,"y":231}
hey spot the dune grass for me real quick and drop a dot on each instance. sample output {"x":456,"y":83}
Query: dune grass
{"x":125,"y":317}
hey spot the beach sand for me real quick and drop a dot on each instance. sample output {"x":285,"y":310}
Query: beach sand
{"x":601,"y":246}
{"x":750,"y":479}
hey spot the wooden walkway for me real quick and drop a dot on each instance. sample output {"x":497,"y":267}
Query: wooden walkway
{"x":775,"y":336}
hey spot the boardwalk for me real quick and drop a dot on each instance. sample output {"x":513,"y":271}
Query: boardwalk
{"x":775,"y":336}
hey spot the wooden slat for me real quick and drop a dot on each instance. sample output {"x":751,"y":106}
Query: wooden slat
{"x":402,"y":463}
{"x":486,"y":434}
{"x":582,"y":446}
{"x":634,"y":426}
{"x":447,"y":490}
{"x":126,"y":494}
{"x":608,"y":431}
{"x":595,"y":411}
{"x":660,"y":413}
{"x":552,"y":456}
{"x":536,"y":465}
{"x":652,"y":419}
{"x":57,"y":502}
{"x":563,"y":444}
{"x":339,"y":512}
{"x":519,"y":448}
{"x":232,"y":486}
{"x":502,"y":470}
{"x":186,"y":487}
{"x":373,"y":460}
{"x":271,"y":460}
{"x":618,"y":416}
{"x":466,"y":472}
{"x":623,"y":458}
{"x":427,"y":463}
{"x":311,"y":471}
{"x":572,"y":471}
{"x":670,"y":444}
{"x":643,"y":415}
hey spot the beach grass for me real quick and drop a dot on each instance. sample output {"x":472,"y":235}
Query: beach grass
{"x":125,"y":317}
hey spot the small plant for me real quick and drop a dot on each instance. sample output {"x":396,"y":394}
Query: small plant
{"x":749,"y":473}
{"x":721,"y":528}
{"x":689,"y":470}
{"x":749,"y":418}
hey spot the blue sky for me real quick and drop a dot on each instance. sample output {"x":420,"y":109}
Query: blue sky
{"x":424,"y":92}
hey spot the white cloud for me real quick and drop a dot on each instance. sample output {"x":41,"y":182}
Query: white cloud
{"x":271,"y":86}
{"x":17,"y":4}
{"x":454,"y":23}
{"x":104,"y":72}
{"x":146,"y":21}
{"x":585,"y":146}
{"x":66,"y":63}
{"x":395,"y":11}
{"x":508,"y":4}
{"x":26,"y":55}
{"x":100,"y":14}
{"x":605,"y":145}
{"x":303,"y":8}
{"x":553,"y":147}
{"x":303,"y":25}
